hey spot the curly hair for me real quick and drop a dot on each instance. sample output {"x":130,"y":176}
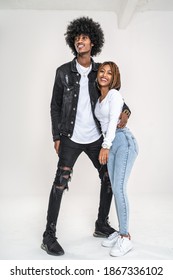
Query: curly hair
{"x":86,"y":26}
{"x":116,"y":78}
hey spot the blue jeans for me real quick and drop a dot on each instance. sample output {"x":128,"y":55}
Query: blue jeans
{"x":121,"y":158}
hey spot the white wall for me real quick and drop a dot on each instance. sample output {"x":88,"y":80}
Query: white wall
{"x":32,"y":45}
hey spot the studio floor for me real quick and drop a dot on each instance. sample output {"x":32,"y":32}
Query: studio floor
{"x":22,"y":221}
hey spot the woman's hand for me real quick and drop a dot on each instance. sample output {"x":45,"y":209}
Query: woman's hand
{"x":103,"y":156}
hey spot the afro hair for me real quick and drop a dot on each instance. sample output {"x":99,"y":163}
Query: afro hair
{"x":86,"y":26}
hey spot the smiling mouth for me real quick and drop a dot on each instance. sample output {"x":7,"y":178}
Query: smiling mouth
{"x":103,"y":80}
{"x":80,"y":46}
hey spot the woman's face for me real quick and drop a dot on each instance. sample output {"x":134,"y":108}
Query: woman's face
{"x":104,"y":76}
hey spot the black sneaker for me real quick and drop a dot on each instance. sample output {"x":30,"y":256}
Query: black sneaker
{"x":51,"y":245}
{"x":103,"y":229}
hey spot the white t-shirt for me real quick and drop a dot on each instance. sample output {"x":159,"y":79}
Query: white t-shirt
{"x":107,"y":112}
{"x":85,"y":129}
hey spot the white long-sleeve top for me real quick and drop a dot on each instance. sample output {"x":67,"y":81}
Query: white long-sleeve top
{"x":107,"y":112}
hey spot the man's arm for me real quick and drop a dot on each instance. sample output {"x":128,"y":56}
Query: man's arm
{"x":124,"y":116}
{"x":56,"y":103}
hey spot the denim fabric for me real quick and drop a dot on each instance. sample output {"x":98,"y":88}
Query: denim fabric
{"x":66,"y":89}
{"x":120,"y":162}
{"x":68,"y":153}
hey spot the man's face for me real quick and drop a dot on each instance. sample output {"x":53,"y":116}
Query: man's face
{"x":83,"y":44}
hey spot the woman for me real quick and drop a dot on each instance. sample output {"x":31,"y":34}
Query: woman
{"x":119,"y":150}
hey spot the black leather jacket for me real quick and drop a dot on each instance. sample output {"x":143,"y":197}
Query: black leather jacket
{"x":65,"y":98}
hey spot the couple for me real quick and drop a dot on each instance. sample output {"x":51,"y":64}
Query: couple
{"x":84,"y":115}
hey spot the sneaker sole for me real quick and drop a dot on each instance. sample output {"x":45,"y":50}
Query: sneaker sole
{"x":100,"y":234}
{"x":122,"y":254}
{"x":110,"y":245}
{"x":44,"y":247}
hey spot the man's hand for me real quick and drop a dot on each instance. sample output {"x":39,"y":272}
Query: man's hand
{"x":103,"y":156}
{"x":123,"y":120}
{"x":56,"y":146}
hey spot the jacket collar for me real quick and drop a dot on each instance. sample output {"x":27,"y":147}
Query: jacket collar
{"x":74,"y":69}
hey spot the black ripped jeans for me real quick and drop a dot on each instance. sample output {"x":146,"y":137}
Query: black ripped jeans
{"x":68,"y":153}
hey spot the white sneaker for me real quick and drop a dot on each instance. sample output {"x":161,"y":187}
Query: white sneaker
{"x":121,"y":247}
{"x":111,"y":240}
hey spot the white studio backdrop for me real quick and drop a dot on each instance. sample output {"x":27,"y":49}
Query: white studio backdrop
{"x":32,"y":46}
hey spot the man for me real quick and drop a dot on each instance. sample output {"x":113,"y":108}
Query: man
{"x":74,"y":126}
